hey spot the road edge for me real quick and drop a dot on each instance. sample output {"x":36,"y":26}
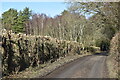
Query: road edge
{"x":63,"y":65}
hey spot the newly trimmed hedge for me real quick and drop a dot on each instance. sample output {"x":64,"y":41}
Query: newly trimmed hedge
{"x":20,"y":51}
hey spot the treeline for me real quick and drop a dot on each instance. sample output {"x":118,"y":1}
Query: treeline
{"x":67,"y":26}
{"x":70,"y":25}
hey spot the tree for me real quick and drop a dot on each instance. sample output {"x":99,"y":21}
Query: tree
{"x":23,"y":17}
{"x":109,"y":12}
{"x":105,"y":20}
{"x":9,"y":18}
{"x":67,"y":26}
{"x":13,"y":20}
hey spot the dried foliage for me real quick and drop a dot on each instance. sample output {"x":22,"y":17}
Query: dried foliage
{"x":20,"y":51}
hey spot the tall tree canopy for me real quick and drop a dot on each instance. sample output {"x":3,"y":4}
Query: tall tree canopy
{"x":67,"y":26}
{"x":109,"y":12}
{"x":23,"y":17}
{"x":105,"y":20}
{"x":9,"y":18}
{"x":13,"y":20}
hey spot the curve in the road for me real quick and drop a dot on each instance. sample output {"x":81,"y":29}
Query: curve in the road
{"x":87,"y":67}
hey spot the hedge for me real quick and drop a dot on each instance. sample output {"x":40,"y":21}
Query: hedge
{"x":20,"y":51}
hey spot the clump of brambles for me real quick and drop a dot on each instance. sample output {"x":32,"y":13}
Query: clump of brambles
{"x":115,"y":53}
{"x":20,"y":51}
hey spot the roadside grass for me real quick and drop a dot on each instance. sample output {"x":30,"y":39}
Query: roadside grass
{"x":111,"y":69}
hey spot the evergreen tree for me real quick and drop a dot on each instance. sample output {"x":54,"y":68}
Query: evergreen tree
{"x":13,"y":20}
{"x":23,"y":17}
{"x":9,"y":18}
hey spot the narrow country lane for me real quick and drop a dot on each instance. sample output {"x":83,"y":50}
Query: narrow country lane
{"x":86,"y":67}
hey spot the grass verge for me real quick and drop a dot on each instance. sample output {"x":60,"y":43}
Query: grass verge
{"x":111,"y":70}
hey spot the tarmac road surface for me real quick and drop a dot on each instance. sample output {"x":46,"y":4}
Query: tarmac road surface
{"x":93,"y":66}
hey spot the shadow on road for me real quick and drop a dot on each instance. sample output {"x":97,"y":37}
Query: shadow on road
{"x":101,"y":54}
